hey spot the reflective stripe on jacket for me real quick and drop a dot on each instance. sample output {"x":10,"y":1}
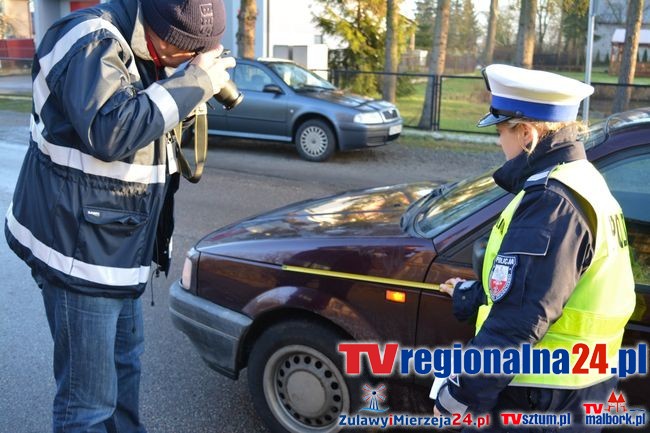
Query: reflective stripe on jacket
{"x":96,"y":175}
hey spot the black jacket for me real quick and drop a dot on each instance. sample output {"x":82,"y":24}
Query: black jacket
{"x":97,"y":183}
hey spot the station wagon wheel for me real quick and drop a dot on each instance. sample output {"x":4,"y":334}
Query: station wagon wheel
{"x":295,"y":378}
{"x":315,"y":140}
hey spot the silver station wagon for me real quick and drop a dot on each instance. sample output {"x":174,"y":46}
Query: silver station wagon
{"x":285,"y":102}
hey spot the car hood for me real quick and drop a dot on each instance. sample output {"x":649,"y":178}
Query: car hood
{"x":339,"y":97}
{"x":367,"y":213}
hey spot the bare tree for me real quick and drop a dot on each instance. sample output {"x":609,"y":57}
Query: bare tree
{"x":546,"y":13}
{"x":436,"y":60}
{"x":488,"y":53}
{"x":389,"y":88}
{"x":246,"y":32}
{"x":526,"y":34}
{"x":628,"y":62}
{"x":558,"y":46}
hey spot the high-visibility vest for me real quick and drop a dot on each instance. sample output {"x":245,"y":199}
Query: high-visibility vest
{"x":603,"y":299}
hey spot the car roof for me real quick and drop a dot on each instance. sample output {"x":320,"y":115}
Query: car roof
{"x":627,"y":119}
{"x":618,"y":123}
{"x":264,"y":60}
{"x":273,"y":60}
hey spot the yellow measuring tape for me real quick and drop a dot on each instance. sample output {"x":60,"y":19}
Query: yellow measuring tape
{"x":359,"y":277}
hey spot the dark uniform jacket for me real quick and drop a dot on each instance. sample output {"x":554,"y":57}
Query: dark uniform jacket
{"x":97,"y":182}
{"x":541,"y":284}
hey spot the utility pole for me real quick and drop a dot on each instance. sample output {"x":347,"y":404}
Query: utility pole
{"x":588,"y":58}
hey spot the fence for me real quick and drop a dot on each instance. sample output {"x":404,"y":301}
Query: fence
{"x":459,"y":101}
{"x":16,"y":55}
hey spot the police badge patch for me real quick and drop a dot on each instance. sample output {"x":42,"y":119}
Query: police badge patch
{"x":501,"y":276}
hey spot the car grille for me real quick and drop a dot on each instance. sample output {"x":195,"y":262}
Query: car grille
{"x":379,"y":139}
{"x":389,"y":115}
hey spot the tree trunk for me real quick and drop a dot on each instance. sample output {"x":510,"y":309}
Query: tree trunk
{"x":628,"y":63}
{"x":488,"y":54}
{"x":389,"y":88}
{"x":526,"y":34}
{"x":246,"y":31}
{"x":436,"y":61}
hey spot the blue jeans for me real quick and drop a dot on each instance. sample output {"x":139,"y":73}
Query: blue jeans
{"x":97,"y":347}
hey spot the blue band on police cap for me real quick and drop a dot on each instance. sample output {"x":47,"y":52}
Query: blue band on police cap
{"x":537,"y":110}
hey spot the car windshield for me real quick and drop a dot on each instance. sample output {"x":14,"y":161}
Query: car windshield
{"x":455,"y":204}
{"x":299,"y":78}
{"x":448,"y":205}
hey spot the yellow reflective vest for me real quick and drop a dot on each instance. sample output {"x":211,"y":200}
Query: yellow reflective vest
{"x":603,"y":299}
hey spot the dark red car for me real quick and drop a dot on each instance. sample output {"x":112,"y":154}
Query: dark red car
{"x":277,"y":292}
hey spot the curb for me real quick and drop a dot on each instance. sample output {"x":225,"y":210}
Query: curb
{"x":452,"y":136}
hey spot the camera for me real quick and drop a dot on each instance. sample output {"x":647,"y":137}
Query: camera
{"x":229,"y":96}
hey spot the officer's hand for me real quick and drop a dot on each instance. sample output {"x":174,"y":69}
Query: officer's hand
{"x":215,"y":67}
{"x":436,"y":412}
{"x":448,"y":286}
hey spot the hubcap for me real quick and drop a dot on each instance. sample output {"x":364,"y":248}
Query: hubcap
{"x":313,"y":141}
{"x":305,"y":390}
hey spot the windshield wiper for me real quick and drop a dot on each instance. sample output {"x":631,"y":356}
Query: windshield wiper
{"x":418,"y":206}
{"x":312,"y":87}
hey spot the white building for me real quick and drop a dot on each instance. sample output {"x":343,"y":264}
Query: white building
{"x":280,"y":23}
{"x":611,"y":15}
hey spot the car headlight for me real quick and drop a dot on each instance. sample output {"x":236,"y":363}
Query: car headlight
{"x":369,"y":117}
{"x":188,"y":277}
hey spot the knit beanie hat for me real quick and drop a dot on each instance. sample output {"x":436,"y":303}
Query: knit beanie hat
{"x":191,"y":25}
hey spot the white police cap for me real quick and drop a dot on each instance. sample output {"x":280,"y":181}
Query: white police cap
{"x":535,"y":95}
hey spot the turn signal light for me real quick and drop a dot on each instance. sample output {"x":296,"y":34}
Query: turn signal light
{"x":394,"y":296}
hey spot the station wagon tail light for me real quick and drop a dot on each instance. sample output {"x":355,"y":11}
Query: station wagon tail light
{"x":395,"y":296}
{"x":188,"y":277}
{"x":369,"y":118}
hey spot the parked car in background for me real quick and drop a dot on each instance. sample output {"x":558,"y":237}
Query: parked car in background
{"x":285,"y":102}
{"x":276,"y":292}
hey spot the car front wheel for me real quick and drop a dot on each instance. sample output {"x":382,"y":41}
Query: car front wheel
{"x":315,"y":140}
{"x":296,"y":380}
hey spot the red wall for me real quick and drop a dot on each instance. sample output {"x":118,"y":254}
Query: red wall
{"x":74,"y":5}
{"x":16,"y":48}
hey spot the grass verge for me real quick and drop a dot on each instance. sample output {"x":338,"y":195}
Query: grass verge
{"x":447,"y":144}
{"x":21,"y":104}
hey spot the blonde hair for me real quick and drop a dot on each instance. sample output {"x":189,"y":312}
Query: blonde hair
{"x":545,"y":128}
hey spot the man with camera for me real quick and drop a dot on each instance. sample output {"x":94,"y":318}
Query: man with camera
{"x":93,"y":205}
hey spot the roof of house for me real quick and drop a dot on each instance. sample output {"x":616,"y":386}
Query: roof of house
{"x":619,"y":37}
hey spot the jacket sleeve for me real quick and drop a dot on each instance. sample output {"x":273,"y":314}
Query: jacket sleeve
{"x":468,"y":297}
{"x":552,"y":242}
{"x":111,"y":116}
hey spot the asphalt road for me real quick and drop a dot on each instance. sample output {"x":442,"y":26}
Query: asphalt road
{"x":179,"y":393}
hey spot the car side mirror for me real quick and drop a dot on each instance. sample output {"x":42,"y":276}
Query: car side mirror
{"x":273,"y":88}
{"x":478,"y":256}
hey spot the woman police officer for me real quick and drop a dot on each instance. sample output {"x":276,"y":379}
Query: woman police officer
{"x":556,"y":269}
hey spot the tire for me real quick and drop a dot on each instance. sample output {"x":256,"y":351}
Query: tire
{"x":296,"y":379}
{"x":315,"y":140}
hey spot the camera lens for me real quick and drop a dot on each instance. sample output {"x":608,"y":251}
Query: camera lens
{"x":229,"y":96}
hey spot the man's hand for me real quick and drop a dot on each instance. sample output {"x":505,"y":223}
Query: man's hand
{"x":436,"y":412}
{"x":449,"y":285}
{"x":215,"y":66}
